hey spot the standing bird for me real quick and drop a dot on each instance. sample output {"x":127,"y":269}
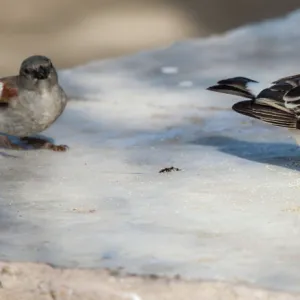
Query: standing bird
{"x":278,"y":104}
{"x":30,"y":102}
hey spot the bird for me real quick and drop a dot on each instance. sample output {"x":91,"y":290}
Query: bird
{"x":29,"y":103}
{"x":276,"y":103}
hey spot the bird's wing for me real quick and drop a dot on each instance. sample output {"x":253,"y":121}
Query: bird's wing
{"x":8,"y":89}
{"x":294,"y":79}
{"x":284,"y":94}
{"x":268,"y":114}
{"x":278,"y":104}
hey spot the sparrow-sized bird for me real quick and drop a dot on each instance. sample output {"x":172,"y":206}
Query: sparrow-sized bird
{"x":30,"y":102}
{"x":277,"y":104}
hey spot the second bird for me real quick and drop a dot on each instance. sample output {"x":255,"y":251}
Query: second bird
{"x":277,"y":104}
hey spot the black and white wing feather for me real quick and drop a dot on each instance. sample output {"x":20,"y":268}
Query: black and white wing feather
{"x":278,"y":104}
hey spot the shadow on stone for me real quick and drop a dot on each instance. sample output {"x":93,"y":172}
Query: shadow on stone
{"x":277,"y":154}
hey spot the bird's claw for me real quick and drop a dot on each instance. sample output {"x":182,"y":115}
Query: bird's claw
{"x":40,"y":143}
{"x":56,"y":148}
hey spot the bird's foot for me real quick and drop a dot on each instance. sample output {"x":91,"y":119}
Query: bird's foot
{"x":5,"y":142}
{"x":56,"y":148}
{"x":39,"y":143}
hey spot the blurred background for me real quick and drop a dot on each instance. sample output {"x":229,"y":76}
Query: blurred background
{"x":73,"y":32}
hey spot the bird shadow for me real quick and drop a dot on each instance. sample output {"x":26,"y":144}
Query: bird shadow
{"x":23,"y":145}
{"x":277,"y":154}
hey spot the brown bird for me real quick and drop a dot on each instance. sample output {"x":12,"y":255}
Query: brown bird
{"x":30,"y":102}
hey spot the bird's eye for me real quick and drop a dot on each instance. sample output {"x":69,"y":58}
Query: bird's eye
{"x":26,"y":71}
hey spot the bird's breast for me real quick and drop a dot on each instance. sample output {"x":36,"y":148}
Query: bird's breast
{"x":41,"y":109}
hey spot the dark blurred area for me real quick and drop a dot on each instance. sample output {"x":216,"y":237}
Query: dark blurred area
{"x":74,"y":32}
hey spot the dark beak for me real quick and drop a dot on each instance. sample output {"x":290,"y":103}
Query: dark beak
{"x":42,"y":73}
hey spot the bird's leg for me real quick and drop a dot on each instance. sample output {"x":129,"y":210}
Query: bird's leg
{"x":40,"y":143}
{"x":6,"y":143}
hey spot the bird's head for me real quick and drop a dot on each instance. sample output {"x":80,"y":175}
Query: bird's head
{"x":38,"y":70}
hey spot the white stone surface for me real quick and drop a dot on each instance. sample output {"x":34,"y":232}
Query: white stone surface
{"x":231,"y":214}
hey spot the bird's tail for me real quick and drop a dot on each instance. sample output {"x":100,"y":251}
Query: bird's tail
{"x":239,"y":86}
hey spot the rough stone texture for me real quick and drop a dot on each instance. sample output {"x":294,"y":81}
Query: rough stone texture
{"x":231,"y":214}
{"x":29,"y":281}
